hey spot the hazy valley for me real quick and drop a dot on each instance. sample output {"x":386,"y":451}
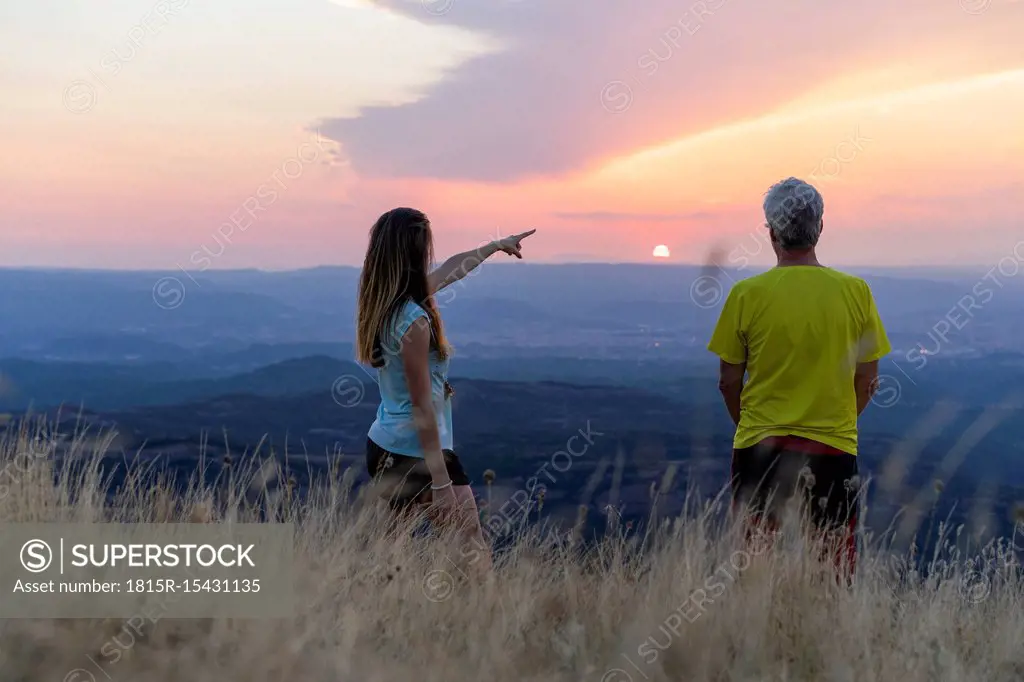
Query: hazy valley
{"x":259,"y":364}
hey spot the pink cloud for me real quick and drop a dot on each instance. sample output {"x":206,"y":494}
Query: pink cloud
{"x":545,"y":105}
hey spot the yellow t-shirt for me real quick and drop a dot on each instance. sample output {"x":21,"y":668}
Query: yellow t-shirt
{"x":801,"y":330}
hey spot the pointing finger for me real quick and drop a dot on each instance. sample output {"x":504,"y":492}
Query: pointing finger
{"x":526,"y":234}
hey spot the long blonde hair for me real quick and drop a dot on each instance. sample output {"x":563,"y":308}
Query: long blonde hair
{"x":398,"y":259}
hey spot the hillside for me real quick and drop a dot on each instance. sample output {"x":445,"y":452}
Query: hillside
{"x":517,"y":429}
{"x":368,"y":601}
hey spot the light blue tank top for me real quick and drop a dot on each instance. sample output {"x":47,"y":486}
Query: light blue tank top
{"x":394,"y":429}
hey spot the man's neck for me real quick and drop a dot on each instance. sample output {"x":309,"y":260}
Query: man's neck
{"x":798,"y":257}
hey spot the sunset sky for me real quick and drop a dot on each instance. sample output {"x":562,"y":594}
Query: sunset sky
{"x":133,"y":132}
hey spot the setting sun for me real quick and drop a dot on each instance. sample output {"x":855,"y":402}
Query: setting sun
{"x":661,"y":251}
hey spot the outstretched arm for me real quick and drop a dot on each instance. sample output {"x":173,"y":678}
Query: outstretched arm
{"x":461,"y":264}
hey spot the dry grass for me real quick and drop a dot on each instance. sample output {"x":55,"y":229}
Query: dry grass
{"x":694,"y":605}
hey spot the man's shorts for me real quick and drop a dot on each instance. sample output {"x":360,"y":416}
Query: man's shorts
{"x":780,"y":471}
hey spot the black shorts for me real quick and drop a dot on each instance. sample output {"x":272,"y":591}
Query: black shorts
{"x":767,"y":477}
{"x":406,"y":480}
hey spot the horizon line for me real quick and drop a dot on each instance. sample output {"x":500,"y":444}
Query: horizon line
{"x":340,"y":266}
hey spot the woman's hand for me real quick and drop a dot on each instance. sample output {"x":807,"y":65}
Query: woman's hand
{"x":511,"y":245}
{"x":444,"y":505}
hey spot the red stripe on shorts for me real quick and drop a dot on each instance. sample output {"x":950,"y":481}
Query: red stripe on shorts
{"x":799,"y":444}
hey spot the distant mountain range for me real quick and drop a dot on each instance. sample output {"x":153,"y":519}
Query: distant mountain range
{"x":600,"y":309}
{"x":299,"y":411}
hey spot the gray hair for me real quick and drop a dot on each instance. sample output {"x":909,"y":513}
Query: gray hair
{"x":794,"y":211}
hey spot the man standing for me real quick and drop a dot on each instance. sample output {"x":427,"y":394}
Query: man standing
{"x":809,"y":339}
